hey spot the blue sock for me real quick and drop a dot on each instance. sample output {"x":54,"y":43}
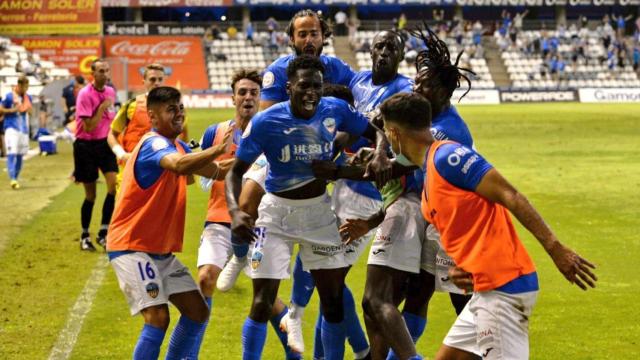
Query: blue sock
{"x":195,"y":350}
{"x":333,"y":335}
{"x":148,"y":346}
{"x":352,"y":326}
{"x":240,"y":249}
{"x":275,"y":323}
{"x":183,"y":337}
{"x":254,"y":334}
{"x":18,"y":165}
{"x":318,"y":350}
{"x":416,"y":325}
{"x":303,"y":284}
{"x":11,"y":166}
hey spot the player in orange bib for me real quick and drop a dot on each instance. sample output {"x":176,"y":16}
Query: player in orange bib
{"x":148,"y":227}
{"x":468,"y":202}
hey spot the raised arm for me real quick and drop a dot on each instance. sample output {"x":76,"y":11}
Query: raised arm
{"x":91,"y":122}
{"x":202,"y":161}
{"x":496,"y":188}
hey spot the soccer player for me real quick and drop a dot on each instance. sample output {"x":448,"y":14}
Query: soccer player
{"x":132,"y":121}
{"x":468,"y":202}
{"x":69,"y":95}
{"x":296,"y":207}
{"x":215,"y":244}
{"x":94,"y":113}
{"x":16,"y":108}
{"x":358,"y":199}
{"x":436,"y":80}
{"x":154,"y":187}
{"x":308,"y":33}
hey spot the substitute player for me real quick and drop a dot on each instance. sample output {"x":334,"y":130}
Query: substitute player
{"x":141,"y":252}
{"x":16,"y":108}
{"x":468,"y":202}
{"x":296,"y":207}
{"x":94,"y":113}
{"x":132,"y":121}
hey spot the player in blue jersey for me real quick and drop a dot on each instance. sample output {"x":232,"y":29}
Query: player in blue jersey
{"x":357,"y":199}
{"x":437,"y":79}
{"x":296,"y":208}
{"x":16,"y":107}
{"x":308,"y":33}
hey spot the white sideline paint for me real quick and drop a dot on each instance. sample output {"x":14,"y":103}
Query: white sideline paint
{"x":69,"y":335}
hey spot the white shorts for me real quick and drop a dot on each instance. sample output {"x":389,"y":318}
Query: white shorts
{"x":215,"y":246}
{"x":436,"y":262}
{"x":16,"y":142}
{"x":147,"y":282}
{"x":494,"y":325}
{"x":400,"y":237}
{"x":283,"y":222}
{"x":348,"y":204}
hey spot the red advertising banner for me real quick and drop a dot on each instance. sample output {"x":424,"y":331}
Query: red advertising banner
{"x":50,"y":17}
{"x":165,"y":3}
{"x":182,"y":58}
{"x":73,"y":53}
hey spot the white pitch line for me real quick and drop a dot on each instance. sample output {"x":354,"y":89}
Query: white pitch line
{"x":69,"y":335}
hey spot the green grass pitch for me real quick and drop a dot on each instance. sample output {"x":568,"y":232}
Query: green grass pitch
{"x":578,"y":164}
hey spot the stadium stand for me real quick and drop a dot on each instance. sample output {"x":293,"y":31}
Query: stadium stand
{"x":227,"y":55}
{"x":566,"y":59}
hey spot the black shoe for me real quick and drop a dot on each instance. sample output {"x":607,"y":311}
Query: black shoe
{"x":86,"y":245}
{"x":101,"y":240}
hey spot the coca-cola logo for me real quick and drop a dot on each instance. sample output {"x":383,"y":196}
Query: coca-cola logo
{"x":166,"y":48}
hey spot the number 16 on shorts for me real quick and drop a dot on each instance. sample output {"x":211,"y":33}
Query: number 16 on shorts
{"x":147,"y":273}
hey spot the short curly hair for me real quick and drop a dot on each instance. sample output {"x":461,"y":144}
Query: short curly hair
{"x":304,"y":62}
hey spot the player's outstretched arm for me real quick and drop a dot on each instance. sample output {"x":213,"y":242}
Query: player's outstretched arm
{"x":328,"y":170}
{"x":200,"y":163}
{"x":379,"y":168}
{"x":241,"y":222}
{"x":496,"y":188}
{"x":354,"y":229}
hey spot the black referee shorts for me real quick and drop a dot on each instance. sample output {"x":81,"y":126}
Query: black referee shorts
{"x":91,"y":155}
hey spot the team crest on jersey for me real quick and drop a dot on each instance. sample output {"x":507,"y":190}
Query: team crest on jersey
{"x":329,"y":124}
{"x":152,"y":289}
{"x":256,"y":258}
{"x":268,"y":79}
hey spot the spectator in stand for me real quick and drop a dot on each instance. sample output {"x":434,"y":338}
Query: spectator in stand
{"x":517,"y":20}
{"x":273,"y":43}
{"x":341,"y":23}
{"x":438,"y":16}
{"x":621,"y":23}
{"x":272,"y":24}
{"x":69,"y":96}
{"x":636,"y":58}
{"x":477,"y":33}
{"x":365,"y":47}
{"x":232,"y":32}
{"x":249,"y":32}
{"x":458,"y":32}
{"x":402,"y":22}
{"x":554,"y":44}
{"x":215,"y":32}
{"x":606,"y":32}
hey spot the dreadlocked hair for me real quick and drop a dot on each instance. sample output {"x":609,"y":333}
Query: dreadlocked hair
{"x":435,"y":62}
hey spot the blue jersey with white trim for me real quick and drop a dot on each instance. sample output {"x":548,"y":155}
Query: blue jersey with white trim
{"x":274,"y":78}
{"x":290,"y":143}
{"x":17,"y":120}
{"x":367,"y":97}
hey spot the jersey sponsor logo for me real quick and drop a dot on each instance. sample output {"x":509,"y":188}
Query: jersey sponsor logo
{"x":329,"y":124}
{"x":289,"y":130}
{"x":159,"y":144}
{"x":152,"y":289}
{"x":285,"y":154}
{"x":326,"y":250}
{"x":486,"y":353}
{"x":470,"y":161}
{"x":453,"y":159}
{"x":304,"y":152}
{"x":268,"y":79}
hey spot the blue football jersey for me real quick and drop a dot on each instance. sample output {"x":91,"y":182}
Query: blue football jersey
{"x":290,"y":143}
{"x":274,"y":78}
{"x":17,"y":120}
{"x":367,"y":97}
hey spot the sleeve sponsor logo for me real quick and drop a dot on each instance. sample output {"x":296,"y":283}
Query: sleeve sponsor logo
{"x":159,"y":144}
